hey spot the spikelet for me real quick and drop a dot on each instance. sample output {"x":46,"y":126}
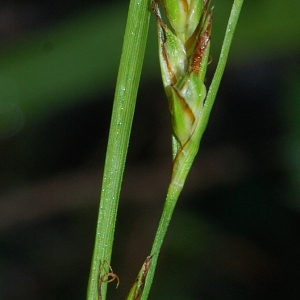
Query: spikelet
{"x":183,"y":54}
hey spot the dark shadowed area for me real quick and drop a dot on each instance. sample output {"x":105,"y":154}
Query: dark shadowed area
{"x":235,"y":232}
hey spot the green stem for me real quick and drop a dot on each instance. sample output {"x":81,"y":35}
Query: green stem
{"x":123,"y":110}
{"x":170,"y":203}
{"x":183,"y":168}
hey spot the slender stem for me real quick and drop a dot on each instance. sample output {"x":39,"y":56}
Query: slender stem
{"x":170,"y":203}
{"x":123,"y":110}
{"x":175,"y":188}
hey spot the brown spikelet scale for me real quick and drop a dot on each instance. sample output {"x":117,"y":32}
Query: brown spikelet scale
{"x":202,"y":43}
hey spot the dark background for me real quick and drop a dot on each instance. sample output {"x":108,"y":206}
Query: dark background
{"x":234,"y":234}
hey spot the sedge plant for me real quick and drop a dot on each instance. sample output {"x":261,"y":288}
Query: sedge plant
{"x":184,"y":56}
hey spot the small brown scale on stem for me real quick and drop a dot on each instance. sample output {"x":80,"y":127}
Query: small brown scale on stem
{"x":108,"y":277}
{"x":140,"y":280}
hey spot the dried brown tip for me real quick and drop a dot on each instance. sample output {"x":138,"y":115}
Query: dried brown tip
{"x":201,"y":45}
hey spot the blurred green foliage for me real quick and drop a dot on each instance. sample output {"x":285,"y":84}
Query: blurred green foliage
{"x":232,"y":239}
{"x":79,"y":56}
